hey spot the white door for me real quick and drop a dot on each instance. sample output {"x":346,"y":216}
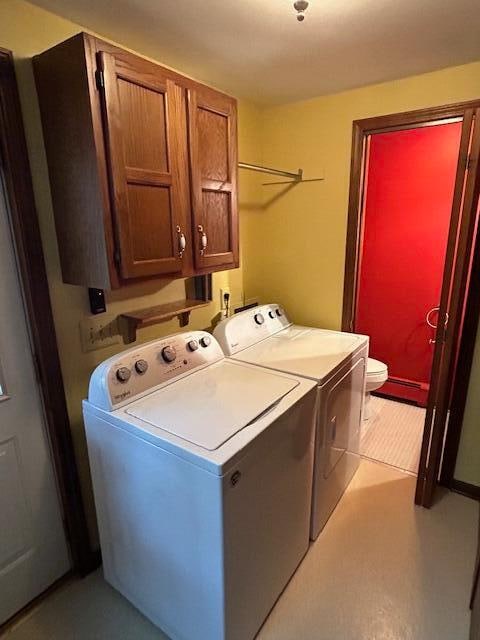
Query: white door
{"x":33,"y":548}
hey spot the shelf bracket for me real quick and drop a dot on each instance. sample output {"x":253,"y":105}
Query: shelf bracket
{"x":184,"y":318}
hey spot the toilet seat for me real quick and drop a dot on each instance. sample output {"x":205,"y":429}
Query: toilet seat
{"x":375,"y":367}
{"x":377,"y":373}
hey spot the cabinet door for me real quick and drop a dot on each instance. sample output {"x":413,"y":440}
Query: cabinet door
{"x":213,"y":174}
{"x":148,"y":172}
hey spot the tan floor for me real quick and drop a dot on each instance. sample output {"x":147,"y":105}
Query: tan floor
{"x":393,"y":434}
{"x":381,"y":570}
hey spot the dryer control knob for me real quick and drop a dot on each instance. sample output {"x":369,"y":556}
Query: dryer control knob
{"x":192,"y":345}
{"x":259,"y":319}
{"x":271,"y":314}
{"x":169,"y":354}
{"x":205,"y":341}
{"x":141,"y":366}
{"x":123,"y":374}
{"x":279,"y":312}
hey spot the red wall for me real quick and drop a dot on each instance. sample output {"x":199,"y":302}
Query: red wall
{"x":409,"y":190}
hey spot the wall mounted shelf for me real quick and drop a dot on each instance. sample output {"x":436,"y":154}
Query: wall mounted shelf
{"x":130,"y":322}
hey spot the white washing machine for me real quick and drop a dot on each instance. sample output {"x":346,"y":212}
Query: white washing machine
{"x":202,"y":474}
{"x":337,"y":362}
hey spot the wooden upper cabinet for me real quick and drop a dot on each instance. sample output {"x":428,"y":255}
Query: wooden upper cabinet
{"x":142,"y":164}
{"x":213,"y":168}
{"x":147,"y":172}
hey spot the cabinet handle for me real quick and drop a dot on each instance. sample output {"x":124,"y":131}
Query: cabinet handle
{"x":203,"y":239}
{"x":182,"y":242}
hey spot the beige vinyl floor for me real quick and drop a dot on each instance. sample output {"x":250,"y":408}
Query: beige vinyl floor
{"x":393,"y":434}
{"x":381,"y":569}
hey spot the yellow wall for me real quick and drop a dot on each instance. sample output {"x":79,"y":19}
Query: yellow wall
{"x":295,"y":252}
{"x":27,"y":30}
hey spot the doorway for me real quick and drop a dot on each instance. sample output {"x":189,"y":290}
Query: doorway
{"x":411,"y":234}
{"x":408,"y":194}
{"x":409,"y":185}
{"x":33,"y":547}
{"x":40,"y":492}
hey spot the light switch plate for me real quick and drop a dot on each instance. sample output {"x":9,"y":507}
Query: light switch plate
{"x":97,"y":332}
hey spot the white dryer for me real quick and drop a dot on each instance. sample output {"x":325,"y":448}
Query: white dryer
{"x":336,"y":361}
{"x":202,"y":475}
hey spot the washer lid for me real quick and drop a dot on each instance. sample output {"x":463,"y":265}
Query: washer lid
{"x":307,"y":352}
{"x":210,"y":406}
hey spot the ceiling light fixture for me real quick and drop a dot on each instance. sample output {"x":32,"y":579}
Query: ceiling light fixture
{"x":300,"y":7}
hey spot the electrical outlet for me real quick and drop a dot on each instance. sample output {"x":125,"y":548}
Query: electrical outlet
{"x":223,"y":291}
{"x":97,"y":332}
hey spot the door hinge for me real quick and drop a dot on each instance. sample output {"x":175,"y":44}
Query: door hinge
{"x":117,"y":258}
{"x":100,"y":79}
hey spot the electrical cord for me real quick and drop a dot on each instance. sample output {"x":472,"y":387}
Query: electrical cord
{"x":226,"y":299}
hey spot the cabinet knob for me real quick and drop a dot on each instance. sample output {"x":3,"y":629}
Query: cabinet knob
{"x":203,"y":239}
{"x":182,"y":241}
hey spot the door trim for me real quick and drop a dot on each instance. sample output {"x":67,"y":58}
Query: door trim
{"x":460,"y":389}
{"x":456,"y":279}
{"x":361,"y":130}
{"x":26,"y":232}
{"x":466,"y":489}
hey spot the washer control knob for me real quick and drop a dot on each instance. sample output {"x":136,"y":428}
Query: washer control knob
{"x":279,"y":312}
{"x":169,"y":354}
{"x":259,"y":319}
{"x":192,"y":345}
{"x":271,"y":314}
{"x":205,"y":341}
{"x":141,"y":366}
{"x":123,"y":374}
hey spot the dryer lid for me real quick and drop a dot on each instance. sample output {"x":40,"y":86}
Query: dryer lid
{"x":210,"y":406}
{"x":307,"y":352}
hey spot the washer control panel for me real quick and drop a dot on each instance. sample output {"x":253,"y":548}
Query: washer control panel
{"x":249,"y":327}
{"x":137,"y":371}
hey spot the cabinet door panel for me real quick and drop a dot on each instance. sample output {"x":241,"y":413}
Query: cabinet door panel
{"x":142,"y":115}
{"x":149,"y":208}
{"x":213,"y":169}
{"x":217,"y":218}
{"x":143,"y":119}
{"x":213,"y":135}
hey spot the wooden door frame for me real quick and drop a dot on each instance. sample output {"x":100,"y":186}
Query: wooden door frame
{"x":361,"y":130}
{"x":31,"y":265}
{"x":461,"y":386}
{"x":460,"y":390}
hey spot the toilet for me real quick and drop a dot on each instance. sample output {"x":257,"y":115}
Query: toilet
{"x":377,"y":375}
